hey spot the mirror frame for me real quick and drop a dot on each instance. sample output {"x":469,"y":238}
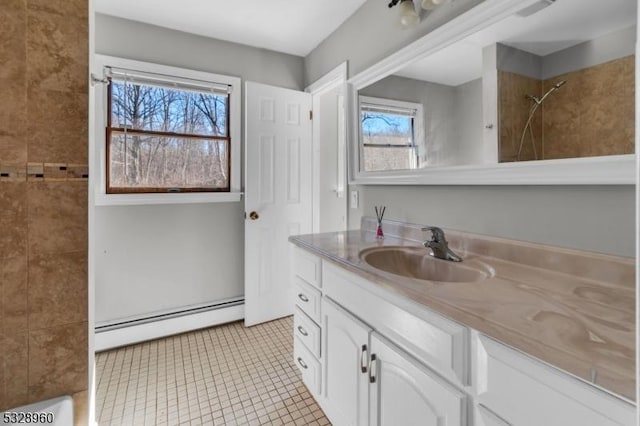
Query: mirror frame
{"x":604,"y":170}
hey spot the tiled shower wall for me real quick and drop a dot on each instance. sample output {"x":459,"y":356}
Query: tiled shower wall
{"x":43,"y":199}
{"x":591,"y":115}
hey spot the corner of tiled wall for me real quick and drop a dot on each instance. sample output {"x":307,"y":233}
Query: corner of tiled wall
{"x":43,"y":199}
{"x":570,"y":124}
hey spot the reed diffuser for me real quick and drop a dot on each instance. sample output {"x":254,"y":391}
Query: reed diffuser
{"x":379,"y":215}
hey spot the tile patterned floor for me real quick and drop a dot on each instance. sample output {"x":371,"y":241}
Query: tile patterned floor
{"x":226,"y":375}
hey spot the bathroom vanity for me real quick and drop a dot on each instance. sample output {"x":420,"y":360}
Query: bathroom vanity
{"x":521,"y":334}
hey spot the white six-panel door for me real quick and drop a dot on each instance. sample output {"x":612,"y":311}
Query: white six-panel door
{"x":278,"y":172}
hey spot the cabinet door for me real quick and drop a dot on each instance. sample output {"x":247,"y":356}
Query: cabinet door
{"x":345,"y":388}
{"x":403,"y":392}
{"x":486,"y":417}
{"x":526,"y":392}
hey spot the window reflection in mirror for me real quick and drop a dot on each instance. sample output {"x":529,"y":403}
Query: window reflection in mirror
{"x":391,"y":134}
{"x":543,"y":84}
{"x":448,"y":117}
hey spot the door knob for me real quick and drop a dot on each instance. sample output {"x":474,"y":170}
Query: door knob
{"x":254,"y":215}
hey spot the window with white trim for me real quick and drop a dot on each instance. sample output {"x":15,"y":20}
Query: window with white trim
{"x":168,"y":133}
{"x":389,"y":134}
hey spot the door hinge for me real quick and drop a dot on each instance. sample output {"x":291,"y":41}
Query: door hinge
{"x":310,"y":115}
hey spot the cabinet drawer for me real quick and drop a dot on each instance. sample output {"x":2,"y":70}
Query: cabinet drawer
{"x":438,"y":342}
{"x":308,"y":267}
{"x":307,"y":298}
{"x":525,"y":392}
{"x":307,"y":331}
{"x":308,"y":365}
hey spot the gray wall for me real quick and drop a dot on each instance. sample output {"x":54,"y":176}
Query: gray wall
{"x":155,"y":258}
{"x":144,"y":42}
{"x":372,"y":33}
{"x":159,"y":257}
{"x":518,"y":61}
{"x":470,"y":124}
{"x":593,"y":52}
{"x":592,"y":218}
{"x":609,"y":47}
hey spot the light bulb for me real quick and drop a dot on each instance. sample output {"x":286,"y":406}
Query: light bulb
{"x":408,"y":15}
{"x":432,"y":4}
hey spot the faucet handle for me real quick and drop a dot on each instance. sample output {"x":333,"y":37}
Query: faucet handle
{"x":437,"y":234}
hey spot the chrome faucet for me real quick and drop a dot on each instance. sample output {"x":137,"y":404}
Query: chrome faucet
{"x":439,"y":246}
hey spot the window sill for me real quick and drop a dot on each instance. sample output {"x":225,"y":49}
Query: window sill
{"x":173,"y":198}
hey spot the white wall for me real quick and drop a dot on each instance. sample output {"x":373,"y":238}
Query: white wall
{"x":155,"y":258}
{"x":593,"y":218}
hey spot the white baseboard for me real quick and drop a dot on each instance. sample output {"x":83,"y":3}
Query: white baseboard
{"x":165,"y":327}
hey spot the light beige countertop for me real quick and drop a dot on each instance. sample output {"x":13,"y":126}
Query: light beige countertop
{"x":572,"y":309}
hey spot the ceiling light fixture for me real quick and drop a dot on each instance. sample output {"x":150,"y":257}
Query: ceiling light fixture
{"x":408,"y":16}
{"x":432,"y":4}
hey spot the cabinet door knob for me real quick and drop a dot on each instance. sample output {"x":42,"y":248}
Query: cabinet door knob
{"x":302,"y":331}
{"x":363,"y":359}
{"x":372,"y":369}
{"x":254,"y":215}
{"x":302,"y":363}
{"x":303,"y":297}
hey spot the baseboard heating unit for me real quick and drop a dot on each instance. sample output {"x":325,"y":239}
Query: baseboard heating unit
{"x":128,"y":331}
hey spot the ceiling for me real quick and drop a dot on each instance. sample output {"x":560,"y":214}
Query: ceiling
{"x":559,"y":26}
{"x":290,"y":26}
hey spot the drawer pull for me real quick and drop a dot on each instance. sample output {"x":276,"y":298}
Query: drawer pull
{"x":372,"y":369}
{"x":302,"y":331}
{"x":363,"y":359}
{"x":302,"y":363}
{"x":303,"y":297}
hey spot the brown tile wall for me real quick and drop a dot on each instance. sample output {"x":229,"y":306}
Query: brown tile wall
{"x":591,"y":115}
{"x":43,"y":199}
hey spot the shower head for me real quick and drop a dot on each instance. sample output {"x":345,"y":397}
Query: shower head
{"x":538,"y":100}
{"x":560,"y":84}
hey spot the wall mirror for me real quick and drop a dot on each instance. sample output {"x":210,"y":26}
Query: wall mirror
{"x":511,"y":92}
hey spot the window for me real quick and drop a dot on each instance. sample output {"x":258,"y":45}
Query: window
{"x":167,"y":134}
{"x":389,"y":134}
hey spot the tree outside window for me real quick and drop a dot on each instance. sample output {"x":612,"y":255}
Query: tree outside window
{"x":165,"y":139}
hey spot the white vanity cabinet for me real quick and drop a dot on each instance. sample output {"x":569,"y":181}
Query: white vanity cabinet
{"x":372,"y":357}
{"x":369,"y":381}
